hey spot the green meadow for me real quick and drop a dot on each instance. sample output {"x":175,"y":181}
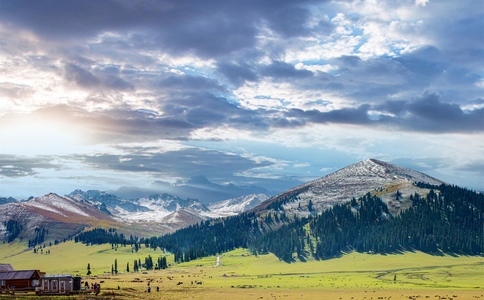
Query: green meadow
{"x":239,"y":275}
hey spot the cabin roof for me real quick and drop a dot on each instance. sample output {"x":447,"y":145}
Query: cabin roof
{"x":13,"y":275}
{"x":53,"y":276}
{"x":6,"y":267}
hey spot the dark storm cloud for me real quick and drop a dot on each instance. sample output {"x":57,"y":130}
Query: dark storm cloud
{"x":425,"y":63}
{"x":87,"y":79}
{"x":210,"y":28}
{"x":236,"y":73}
{"x":183,"y":163}
{"x":463,"y":34}
{"x":369,"y":80}
{"x":279,"y":69}
{"x":379,"y":79}
{"x":185,"y":83}
{"x":428,"y":113}
{"x":429,"y":107}
{"x":206,"y":110}
{"x":17,"y":166}
{"x":80,"y":76}
{"x":425,"y":114}
{"x":345,"y":116}
{"x":289,"y":21}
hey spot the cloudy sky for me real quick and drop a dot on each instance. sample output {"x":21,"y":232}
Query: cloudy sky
{"x":125,"y":95}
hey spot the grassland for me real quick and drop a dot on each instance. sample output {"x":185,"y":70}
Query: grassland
{"x":240,"y":275}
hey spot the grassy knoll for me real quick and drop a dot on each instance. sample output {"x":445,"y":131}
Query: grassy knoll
{"x":243,"y":276}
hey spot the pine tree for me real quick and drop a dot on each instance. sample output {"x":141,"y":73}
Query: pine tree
{"x":164,"y":265}
{"x":115,"y":266}
{"x":88,"y":269}
{"x":310,"y":206}
{"x":127,"y":267}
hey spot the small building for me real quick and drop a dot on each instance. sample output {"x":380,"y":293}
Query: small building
{"x":19,"y":280}
{"x":59,"y":284}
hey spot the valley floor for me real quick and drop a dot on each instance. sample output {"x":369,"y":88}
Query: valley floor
{"x":240,"y":275}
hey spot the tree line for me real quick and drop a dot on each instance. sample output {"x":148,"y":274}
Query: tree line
{"x":448,"y":219}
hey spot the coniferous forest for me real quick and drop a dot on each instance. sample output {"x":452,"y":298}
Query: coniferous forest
{"x":450,"y":220}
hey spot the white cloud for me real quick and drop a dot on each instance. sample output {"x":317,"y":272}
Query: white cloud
{"x":421,"y":2}
{"x":317,"y":68}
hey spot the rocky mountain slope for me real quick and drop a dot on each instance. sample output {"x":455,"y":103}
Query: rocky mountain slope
{"x":62,"y":216}
{"x":237,"y":205}
{"x":374,"y":176}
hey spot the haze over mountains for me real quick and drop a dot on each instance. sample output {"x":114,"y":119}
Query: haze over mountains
{"x":197,"y":187}
{"x":163,"y":213}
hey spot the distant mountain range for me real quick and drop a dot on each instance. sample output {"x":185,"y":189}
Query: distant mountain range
{"x":197,"y":187}
{"x":156,"y":214}
{"x":163,"y":213}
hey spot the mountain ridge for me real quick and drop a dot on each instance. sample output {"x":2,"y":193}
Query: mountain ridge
{"x":353,"y":181}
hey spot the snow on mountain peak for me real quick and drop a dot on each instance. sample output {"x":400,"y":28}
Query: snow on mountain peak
{"x":63,"y":206}
{"x":237,"y":205}
{"x":352,"y":181}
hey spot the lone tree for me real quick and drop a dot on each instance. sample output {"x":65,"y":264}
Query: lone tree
{"x":135,"y":266}
{"x":127,"y":267}
{"x":88,"y":269}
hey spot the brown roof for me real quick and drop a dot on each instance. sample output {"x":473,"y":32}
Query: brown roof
{"x":55,"y":276}
{"x":13,"y":275}
{"x":6,"y":267}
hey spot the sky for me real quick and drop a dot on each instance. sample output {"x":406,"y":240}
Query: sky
{"x":134,"y":97}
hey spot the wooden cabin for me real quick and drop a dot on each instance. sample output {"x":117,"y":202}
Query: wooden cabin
{"x":58,"y":284}
{"x":19,"y":280}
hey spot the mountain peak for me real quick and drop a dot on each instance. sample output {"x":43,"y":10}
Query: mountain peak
{"x":353,"y":181}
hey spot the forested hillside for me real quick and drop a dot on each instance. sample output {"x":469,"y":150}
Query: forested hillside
{"x":448,"y":219}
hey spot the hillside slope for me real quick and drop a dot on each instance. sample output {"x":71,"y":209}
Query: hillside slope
{"x":374,"y":176}
{"x":61,"y":216}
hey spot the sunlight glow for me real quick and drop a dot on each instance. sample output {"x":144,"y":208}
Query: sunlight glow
{"x":28,"y":136}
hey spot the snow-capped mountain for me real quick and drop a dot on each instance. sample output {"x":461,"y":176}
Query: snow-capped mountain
{"x":109,"y":203}
{"x":374,"y":176}
{"x":62,"y":216}
{"x":159,"y":207}
{"x":184,"y":216}
{"x":62,"y":207}
{"x":235,"y":206}
{"x":170,"y":203}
